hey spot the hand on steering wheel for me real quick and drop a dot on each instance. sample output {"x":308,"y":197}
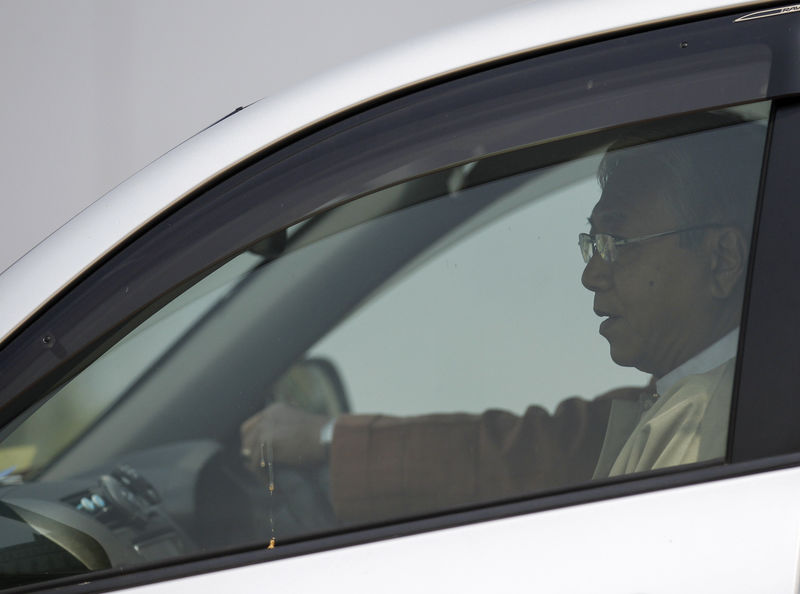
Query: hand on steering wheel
{"x":292,"y":434}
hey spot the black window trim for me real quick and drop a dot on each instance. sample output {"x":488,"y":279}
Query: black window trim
{"x":768,"y":398}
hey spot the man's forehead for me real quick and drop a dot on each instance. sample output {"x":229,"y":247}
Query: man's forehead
{"x":612,"y":210}
{"x":626,"y":212}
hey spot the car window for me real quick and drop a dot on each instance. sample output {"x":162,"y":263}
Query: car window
{"x":499,"y":320}
{"x":77,"y":405}
{"x":563,"y":314}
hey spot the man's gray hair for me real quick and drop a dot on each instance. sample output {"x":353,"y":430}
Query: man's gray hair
{"x":708,"y":174}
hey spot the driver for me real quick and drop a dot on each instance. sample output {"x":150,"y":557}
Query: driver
{"x":666,"y":257}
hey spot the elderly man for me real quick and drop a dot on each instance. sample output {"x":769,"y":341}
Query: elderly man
{"x":666,"y":264}
{"x":666,"y":258}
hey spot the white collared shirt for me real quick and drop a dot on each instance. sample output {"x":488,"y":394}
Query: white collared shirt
{"x":686,"y":421}
{"x":704,"y":361}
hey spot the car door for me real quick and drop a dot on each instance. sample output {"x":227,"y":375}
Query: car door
{"x":410,"y":273}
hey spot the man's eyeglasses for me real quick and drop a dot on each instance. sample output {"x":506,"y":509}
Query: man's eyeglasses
{"x":606,"y":244}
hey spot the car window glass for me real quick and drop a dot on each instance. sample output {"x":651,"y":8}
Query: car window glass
{"x":461,"y":321}
{"x":492,"y":320}
{"x":511,"y":326}
{"x":82,"y":400}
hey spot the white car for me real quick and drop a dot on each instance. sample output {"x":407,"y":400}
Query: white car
{"x":390,"y":252}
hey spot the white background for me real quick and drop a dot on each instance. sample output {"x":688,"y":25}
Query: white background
{"x":93,"y":90}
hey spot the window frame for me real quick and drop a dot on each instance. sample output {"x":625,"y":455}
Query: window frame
{"x":113,"y":312}
{"x":768,"y":351}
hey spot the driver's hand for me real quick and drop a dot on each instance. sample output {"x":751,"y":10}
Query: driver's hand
{"x":293,"y":434}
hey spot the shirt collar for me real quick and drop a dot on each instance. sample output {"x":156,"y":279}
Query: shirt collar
{"x":706,"y":360}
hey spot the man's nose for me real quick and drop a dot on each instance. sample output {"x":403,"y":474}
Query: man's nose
{"x":597,"y":274}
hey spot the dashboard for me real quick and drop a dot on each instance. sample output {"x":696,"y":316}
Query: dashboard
{"x":141,"y":508}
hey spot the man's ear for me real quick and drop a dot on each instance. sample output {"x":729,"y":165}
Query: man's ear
{"x":728,"y":261}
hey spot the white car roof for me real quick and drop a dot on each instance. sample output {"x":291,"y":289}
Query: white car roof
{"x":58,"y":260}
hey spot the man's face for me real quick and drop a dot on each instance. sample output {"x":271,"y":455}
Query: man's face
{"x":654,"y":295}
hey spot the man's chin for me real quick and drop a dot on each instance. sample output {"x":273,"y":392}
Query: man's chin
{"x":614,"y":331}
{"x":625,"y":358}
{"x":621,"y":356}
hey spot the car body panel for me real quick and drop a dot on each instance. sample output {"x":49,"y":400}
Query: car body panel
{"x":109,"y":222}
{"x":730,"y":536}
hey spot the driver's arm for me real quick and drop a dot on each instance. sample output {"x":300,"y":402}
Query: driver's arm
{"x":388,"y":467}
{"x":383,"y":467}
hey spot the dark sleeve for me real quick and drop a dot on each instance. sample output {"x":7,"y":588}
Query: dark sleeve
{"x":389,"y":467}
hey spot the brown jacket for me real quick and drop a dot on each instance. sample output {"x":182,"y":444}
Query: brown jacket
{"x":389,"y":467}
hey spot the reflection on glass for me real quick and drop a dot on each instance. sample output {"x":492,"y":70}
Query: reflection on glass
{"x":416,"y":350}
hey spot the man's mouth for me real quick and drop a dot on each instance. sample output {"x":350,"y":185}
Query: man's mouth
{"x":605,"y":314}
{"x":610,"y":318}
